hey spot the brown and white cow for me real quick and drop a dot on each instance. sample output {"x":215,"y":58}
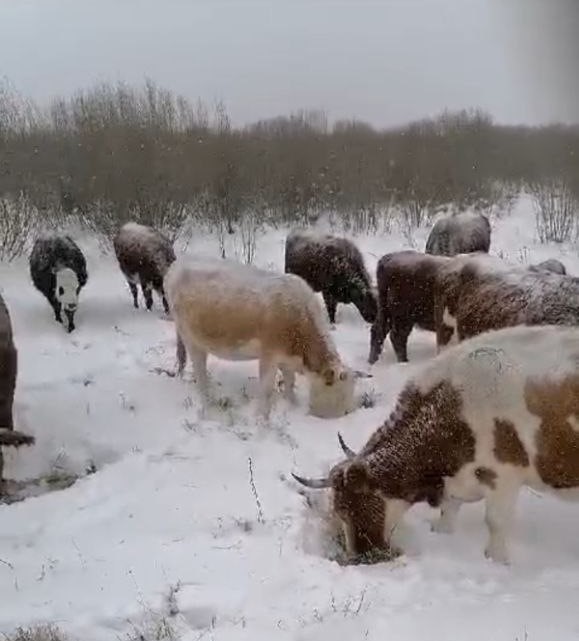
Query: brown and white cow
{"x":240,"y":312}
{"x":481,"y":420}
{"x":475,"y":294}
{"x":9,"y":437}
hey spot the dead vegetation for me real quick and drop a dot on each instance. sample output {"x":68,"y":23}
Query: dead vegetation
{"x":178,"y":163}
{"x":46,"y":632}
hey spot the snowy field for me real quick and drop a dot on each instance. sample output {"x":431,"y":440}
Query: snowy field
{"x":175,"y":537}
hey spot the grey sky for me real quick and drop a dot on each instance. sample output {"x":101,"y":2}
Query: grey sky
{"x":386,"y":62}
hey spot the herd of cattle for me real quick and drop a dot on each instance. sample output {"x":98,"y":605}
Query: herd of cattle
{"x":485,"y":417}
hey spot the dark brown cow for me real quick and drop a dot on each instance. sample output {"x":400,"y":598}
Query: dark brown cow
{"x":550,"y":265}
{"x":333,"y":266}
{"x":461,"y":233}
{"x":144,"y":256}
{"x":405,"y":299}
{"x":480,"y":421}
{"x":9,"y":437}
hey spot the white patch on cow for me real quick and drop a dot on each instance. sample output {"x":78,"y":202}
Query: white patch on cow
{"x":450,"y":321}
{"x":395,"y":510}
{"x":67,"y":288}
{"x":573,"y":422}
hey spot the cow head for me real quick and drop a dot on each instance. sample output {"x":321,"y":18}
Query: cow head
{"x":359,"y":507}
{"x":67,"y":290}
{"x":365,"y":298}
{"x":332,"y":391}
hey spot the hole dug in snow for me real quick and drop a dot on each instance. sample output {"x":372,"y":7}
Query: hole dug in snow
{"x":322,"y":534}
{"x":54,"y":481}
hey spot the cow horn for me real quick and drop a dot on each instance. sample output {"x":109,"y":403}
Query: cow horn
{"x":347,"y":451}
{"x":314,"y":483}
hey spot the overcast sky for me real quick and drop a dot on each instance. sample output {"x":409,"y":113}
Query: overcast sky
{"x":386,"y":61}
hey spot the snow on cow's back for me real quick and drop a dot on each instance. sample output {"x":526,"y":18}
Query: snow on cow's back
{"x":138,"y":230}
{"x":236,"y":284}
{"x":495,"y":366}
{"x":311,"y":235}
{"x":481,"y":261}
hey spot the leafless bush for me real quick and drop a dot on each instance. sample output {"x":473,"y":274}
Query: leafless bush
{"x":114,"y":152}
{"x":18,"y":221}
{"x":555,"y":211}
{"x":249,"y":227}
{"x":37,"y":633}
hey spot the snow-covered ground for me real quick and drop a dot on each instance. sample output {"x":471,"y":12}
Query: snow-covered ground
{"x":199,"y":517}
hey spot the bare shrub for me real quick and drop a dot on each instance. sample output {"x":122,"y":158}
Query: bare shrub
{"x":18,"y":221}
{"x":46,"y":632}
{"x":555,"y":211}
{"x":116,"y":152}
{"x":249,"y":228}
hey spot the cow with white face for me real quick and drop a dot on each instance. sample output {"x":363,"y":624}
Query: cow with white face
{"x":58,"y":270}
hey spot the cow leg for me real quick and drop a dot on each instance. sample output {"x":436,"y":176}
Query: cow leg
{"x":135,"y":293}
{"x":267,"y":370}
{"x":147,"y":294}
{"x":395,"y":511}
{"x":446,"y":523}
{"x":165,"y":303}
{"x":399,"y":334}
{"x":500,"y":507}
{"x":2,"y":486}
{"x":289,"y":380}
{"x":56,"y":307}
{"x":377,"y":336}
{"x":199,"y":362}
{"x":331,"y":305}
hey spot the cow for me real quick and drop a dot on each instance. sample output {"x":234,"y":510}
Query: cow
{"x":58,"y":270}
{"x":333,"y":266}
{"x":551,"y":265}
{"x":479,"y":421}
{"x":144,"y":256}
{"x":405,"y":299}
{"x":476,"y":294}
{"x":9,"y":437}
{"x":240,"y":312}
{"x":460,"y":233}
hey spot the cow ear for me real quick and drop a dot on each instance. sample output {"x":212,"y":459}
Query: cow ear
{"x":343,"y":375}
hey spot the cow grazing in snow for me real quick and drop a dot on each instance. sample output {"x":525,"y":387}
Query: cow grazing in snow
{"x":550,"y":265}
{"x":9,"y":437}
{"x":460,"y":233}
{"x":144,"y":256}
{"x":480,"y":293}
{"x":333,"y":266}
{"x":58,"y":270}
{"x":481,"y":420}
{"x":405,"y":299}
{"x":240,"y":312}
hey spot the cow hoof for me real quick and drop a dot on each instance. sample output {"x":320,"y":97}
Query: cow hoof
{"x":497,"y":554}
{"x":441,"y":527}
